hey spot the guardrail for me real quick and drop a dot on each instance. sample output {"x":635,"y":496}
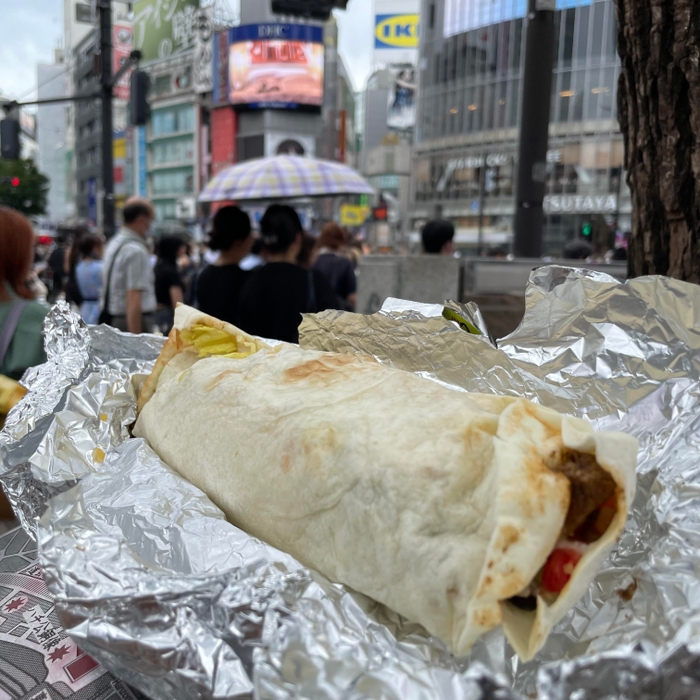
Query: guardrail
{"x":433,"y":279}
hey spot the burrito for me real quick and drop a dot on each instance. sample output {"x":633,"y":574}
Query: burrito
{"x":460,"y":512}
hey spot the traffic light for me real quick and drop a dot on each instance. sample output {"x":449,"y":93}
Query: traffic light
{"x":15,"y":182}
{"x":587,"y":229}
{"x":9,"y":139}
{"x":313,"y":9}
{"x":140,"y":109}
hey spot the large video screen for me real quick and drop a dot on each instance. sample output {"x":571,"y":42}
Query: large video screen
{"x":276,"y":66}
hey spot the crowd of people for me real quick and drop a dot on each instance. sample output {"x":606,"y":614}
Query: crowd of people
{"x":262,"y":282}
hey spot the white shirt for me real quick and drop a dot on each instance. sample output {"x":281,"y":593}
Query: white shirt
{"x":132,"y":270}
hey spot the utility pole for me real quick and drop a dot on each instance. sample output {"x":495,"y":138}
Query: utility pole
{"x":534,"y":129}
{"x":105,"y":16}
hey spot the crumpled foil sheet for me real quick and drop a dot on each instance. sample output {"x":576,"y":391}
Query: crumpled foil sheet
{"x":151,"y":580}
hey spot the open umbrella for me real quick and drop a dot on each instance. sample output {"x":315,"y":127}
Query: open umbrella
{"x":284,"y":177}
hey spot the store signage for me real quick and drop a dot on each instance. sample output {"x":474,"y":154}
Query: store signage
{"x":396,"y":31}
{"x":581,"y":204}
{"x":163,"y":29}
{"x":351,"y":215}
{"x":204,"y":51}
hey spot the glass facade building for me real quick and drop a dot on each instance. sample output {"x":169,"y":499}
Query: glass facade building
{"x":172,"y":157}
{"x":471,"y":65}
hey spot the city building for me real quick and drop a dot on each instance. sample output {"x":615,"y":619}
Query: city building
{"x":337,"y":138}
{"x":471,"y":63}
{"x":88,"y":130}
{"x":75,"y":28}
{"x":51,"y":137}
{"x":172,"y":138}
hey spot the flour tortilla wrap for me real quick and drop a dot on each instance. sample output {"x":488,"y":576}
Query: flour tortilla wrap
{"x":439,"y":504}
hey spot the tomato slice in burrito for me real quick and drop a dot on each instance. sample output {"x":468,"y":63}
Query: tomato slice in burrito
{"x":461,"y":512}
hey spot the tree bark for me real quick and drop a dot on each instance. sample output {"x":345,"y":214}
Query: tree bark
{"x":659,"y":113}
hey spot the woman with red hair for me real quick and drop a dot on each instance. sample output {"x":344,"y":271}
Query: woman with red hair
{"x":337,"y":268}
{"x":21,"y":319}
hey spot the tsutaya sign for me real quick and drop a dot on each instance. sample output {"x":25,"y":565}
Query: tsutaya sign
{"x":580,"y":204}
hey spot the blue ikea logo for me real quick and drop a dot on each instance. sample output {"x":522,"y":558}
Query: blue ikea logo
{"x":396,"y":32}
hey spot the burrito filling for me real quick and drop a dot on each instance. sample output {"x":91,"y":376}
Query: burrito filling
{"x":591,"y":511}
{"x":209,"y":342}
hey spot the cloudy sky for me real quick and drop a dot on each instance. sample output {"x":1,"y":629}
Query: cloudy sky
{"x":30,"y":30}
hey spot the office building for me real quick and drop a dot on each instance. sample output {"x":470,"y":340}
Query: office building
{"x":51,"y":137}
{"x":172,"y":137}
{"x":471,"y":63}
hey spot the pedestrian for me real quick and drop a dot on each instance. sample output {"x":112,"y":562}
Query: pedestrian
{"x":58,"y":264}
{"x":21,"y":318}
{"x":170,"y":288}
{"x":88,"y":275}
{"x":437,"y":237}
{"x":337,"y":268}
{"x":277,"y":294}
{"x":309,"y":251}
{"x":219,"y":285}
{"x":72,"y":288}
{"x":128,"y":300}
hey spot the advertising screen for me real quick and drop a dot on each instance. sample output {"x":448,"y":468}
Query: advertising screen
{"x":276,"y":66}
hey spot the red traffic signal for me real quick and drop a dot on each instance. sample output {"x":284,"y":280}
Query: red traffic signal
{"x":15,"y":182}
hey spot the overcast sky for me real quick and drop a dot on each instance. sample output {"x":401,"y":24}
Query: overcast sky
{"x":30,"y":30}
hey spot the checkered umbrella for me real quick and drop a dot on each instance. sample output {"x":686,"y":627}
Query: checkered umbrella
{"x":284,"y":177}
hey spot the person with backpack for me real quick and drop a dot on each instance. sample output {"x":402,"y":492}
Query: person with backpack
{"x":277,"y":294}
{"x":21,"y":318}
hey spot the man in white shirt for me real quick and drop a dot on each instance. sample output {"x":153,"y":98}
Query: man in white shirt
{"x":131,"y":297}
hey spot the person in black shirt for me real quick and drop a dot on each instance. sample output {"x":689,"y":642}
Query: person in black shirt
{"x":337,"y":268}
{"x":276,"y":295}
{"x":168,"y":282}
{"x":219,"y":285}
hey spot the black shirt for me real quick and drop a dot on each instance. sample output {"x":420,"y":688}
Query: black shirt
{"x":167,"y":276}
{"x":339,"y":272}
{"x":276,"y":295}
{"x":218,"y":290}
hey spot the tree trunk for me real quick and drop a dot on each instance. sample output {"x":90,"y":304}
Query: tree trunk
{"x":659,"y":112}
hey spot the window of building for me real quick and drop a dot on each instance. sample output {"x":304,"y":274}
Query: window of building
{"x":597,"y":33}
{"x":165,"y":209}
{"x":581,"y":49}
{"x":568,"y":25}
{"x":172,"y":120}
{"x":173,"y":151}
{"x":176,"y":181}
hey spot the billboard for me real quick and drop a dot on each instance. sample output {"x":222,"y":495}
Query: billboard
{"x":401,"y":113}
{"x":276,"y":66}
{"x":163,"y":28}
{"x":396,"y":31}
{"x":122,"y":46}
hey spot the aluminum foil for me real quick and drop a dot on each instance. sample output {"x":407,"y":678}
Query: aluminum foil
{"x":151,"y":580}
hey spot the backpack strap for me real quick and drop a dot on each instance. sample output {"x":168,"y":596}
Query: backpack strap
{"x":7,"y":333}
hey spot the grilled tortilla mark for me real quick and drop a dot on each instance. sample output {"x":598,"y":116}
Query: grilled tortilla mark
{"x":319,"y":369}
{"x":220,"y":378}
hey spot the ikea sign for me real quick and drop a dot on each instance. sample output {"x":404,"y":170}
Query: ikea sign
{"x":396,"y":32}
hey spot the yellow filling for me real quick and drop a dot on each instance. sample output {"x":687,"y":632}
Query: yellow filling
{"x":209,"y":342}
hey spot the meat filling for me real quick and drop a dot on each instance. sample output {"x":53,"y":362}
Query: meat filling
{"x":591,"y":510}
{"x":591,"y":486}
